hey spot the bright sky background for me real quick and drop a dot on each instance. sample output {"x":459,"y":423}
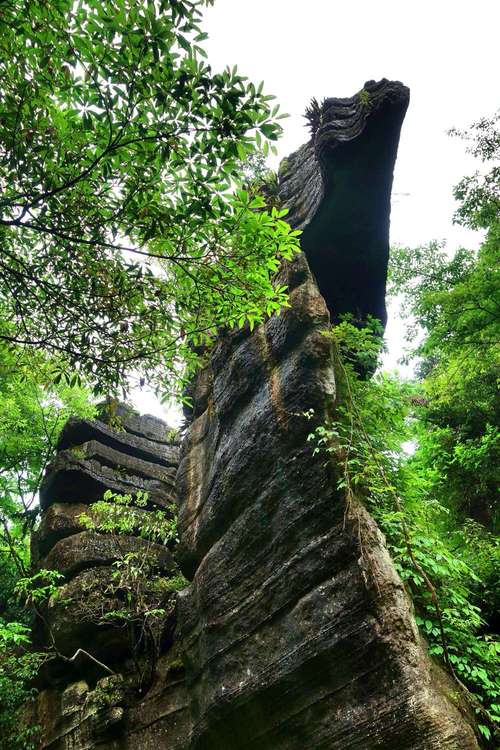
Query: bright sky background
{"x":446,"y":51}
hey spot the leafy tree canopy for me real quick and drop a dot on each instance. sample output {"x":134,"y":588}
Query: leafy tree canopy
{"x":455,"y":302}
{"x":125,"y":237}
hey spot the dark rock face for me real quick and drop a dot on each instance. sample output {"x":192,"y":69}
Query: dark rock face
{"x":338,"y":190}
{"x":70,"y":720}
{"x":297,"y":631}
{"x":81,"y":716}
{"x":80,"y":706}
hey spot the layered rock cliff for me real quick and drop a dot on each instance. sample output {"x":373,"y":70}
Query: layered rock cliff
{"x":295,"y":630}
{"x":97,"y":691}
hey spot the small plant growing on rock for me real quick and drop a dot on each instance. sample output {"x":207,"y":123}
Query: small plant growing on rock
{"x":138,"y":596}
{"x":370,"y":424}
{"x":365,"y":98}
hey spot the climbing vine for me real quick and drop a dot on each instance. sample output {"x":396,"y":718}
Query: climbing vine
{"x":442,"y":562}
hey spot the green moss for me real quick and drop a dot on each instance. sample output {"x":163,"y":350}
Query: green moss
{"x":108,"y":692}
{"x":284,"y":167}
{"x":365,"y":98}
{"x":172,"y":436}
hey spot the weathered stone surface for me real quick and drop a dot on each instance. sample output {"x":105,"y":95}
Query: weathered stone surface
{"x":71,"y":719}
{"x":78,"y":431}
{"x":75,"y":478}
{"x":112,"y":717}
{"x":61,"y":520}
{"x":263,"y":384}
{"x":297,"y":631}
{"x":88,"y":550}
{"x":142,"y":425}
{"x":123,"y":463}
{"x":295,"y":635}
{"x":161,"y":719}
{"x":338,"y":188}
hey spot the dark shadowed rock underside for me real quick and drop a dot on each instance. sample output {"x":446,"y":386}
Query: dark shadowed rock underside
{"x":337,"y":188}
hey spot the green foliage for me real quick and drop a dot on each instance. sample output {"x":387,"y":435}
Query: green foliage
{"x":121,"y":514}
{"x":479,"y":194}
{"x":36,"y":589}
{"x":449,"y":568}
{"x":451,"y":481}
{"x":125,"y":238}
{"x":18,"y":666}
{"x":261,"y":181}
{"x":32,"y":413}
{"x":365,"y":98}
{"x":361,"y":346}
{"x":13,"y":633}
{"x":454,"y":305}
{"x":145,"y":596}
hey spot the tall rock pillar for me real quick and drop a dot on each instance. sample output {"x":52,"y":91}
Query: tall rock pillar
{"x":297,"y":632}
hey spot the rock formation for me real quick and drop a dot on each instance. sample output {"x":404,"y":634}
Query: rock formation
{"x":337,"y":188}
{"x":81,"y":705}
{"x":295,"y":631}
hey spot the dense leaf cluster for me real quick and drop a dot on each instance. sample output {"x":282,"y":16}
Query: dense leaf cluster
{"x":32,"y":413}
{"x":123,"y":241}
{"x":454,"y":302}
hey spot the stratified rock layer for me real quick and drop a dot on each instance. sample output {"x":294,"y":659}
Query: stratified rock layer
{"x":81,"y":706}
{"x":80,"y":717}
{"x":337,"y":188}
{"x":297,"y":632}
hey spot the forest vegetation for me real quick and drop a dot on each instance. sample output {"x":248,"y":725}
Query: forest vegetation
{"x":134,"y":225}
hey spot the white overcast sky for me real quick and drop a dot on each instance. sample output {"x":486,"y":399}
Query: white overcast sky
{"x":446,"y":51}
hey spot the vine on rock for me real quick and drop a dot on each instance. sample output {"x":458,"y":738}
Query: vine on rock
{"x":372,"y":435}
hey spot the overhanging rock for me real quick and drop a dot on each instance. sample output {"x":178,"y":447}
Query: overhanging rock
{"x":337,"y":188}
{"x":297,"y":631}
